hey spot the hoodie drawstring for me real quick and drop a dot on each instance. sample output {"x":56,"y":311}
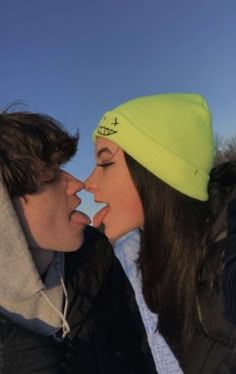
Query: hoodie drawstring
{"x":65,"y":325}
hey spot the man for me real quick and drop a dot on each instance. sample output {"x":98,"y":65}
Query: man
{"x":62,"y":310}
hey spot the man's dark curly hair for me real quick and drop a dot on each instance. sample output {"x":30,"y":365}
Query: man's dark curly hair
{"x":32,"y":145}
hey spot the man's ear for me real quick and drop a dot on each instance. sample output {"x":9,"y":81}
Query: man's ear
{"x":23,"y":199}
{"x":18,"y":203}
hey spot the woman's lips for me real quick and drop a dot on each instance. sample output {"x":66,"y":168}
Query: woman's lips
{"x":100,"y":215}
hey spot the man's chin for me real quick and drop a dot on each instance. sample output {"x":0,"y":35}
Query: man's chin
{"x":77,"y":245}
{"x":81,"y":242}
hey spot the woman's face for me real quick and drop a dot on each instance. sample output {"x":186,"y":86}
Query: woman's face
{"x":111,"y":183}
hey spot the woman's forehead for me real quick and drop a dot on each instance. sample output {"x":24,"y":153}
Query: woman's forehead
{"x":105,"y":146}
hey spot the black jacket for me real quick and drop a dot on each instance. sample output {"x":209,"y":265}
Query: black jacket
{"x":107,"y":334}
{"x":214,"y":346}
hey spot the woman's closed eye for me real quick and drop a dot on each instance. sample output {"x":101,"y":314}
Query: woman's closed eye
{"x":105,"y":164}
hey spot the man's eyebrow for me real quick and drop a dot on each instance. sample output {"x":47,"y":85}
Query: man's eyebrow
{"x":104,"y":150}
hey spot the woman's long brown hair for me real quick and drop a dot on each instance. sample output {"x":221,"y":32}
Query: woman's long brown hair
{"x":171,"y":254}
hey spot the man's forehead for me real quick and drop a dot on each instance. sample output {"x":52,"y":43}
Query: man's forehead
{"x":48,"y":173}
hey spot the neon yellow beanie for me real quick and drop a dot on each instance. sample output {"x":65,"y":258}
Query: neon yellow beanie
{"x":169,"y":134}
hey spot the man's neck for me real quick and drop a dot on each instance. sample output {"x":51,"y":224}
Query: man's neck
{"x":42,"y":258}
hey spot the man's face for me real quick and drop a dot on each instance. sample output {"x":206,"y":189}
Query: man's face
{"x":48,"y":217}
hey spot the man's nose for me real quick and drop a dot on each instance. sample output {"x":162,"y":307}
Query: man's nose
{"x":74,"y":185}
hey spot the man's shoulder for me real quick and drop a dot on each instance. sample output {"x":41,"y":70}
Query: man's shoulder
{"x":95,"y":251}
{"x":92,"y":235}
{"x":95,"y":244}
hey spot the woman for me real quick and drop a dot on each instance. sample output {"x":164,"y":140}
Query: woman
{"x":154,"y":155}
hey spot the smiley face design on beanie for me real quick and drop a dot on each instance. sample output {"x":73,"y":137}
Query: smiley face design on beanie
{"x":106,"y":127}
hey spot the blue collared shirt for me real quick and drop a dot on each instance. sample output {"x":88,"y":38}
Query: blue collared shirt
{"x":126,"y":250}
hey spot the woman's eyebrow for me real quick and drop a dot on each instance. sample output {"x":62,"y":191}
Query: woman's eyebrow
{"x":104,"y":150}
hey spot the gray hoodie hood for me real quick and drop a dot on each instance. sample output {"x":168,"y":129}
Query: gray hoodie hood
{"x":24,"y":297}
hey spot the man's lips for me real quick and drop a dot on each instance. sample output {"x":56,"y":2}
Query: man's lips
{"x":79,"y":217}
{"x":100,"y":215}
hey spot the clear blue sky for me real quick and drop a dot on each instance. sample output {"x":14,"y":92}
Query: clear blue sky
{"x":75,"y":59}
